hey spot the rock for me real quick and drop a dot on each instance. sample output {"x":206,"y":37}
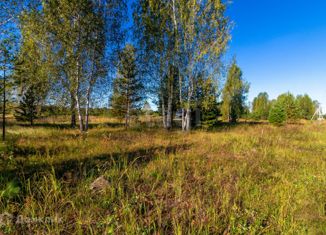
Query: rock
{"x":100,"y":184}
{"x":70,"y":178}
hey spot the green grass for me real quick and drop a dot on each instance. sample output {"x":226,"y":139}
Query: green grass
{"x":245,"y":179}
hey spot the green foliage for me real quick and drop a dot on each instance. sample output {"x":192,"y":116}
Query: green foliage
{"x":277,"y":114}
{"x":72,"y":39}
{"x":11,"y":190}
{"x":288,"y":102}
{"x":234,"y":94}
{"x":28,"y":106}
{"x":32,"y":67}
{"x":261,"y":106}
{"x":206,"y":101}
{"x":128,"y":90}
{"x":306,"y":106}
{"x":7,"y":60}
{"x":169,"y":87}
{"x":191,"y":36}
{"x":209,"y":118}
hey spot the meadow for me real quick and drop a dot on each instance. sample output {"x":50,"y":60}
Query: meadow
{"x":249,"y":178}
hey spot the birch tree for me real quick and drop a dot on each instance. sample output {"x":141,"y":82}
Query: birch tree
{"x":157,"y":36}
{"x":205,"y":35}
{"x":234,"y":94}
{"x":261,"y":106}
{"x":190,"y":35}
{"x":78,"y":33}
{"x":32,"y":66}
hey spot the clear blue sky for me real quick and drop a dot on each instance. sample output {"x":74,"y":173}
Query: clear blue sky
{"x":281,"y":46}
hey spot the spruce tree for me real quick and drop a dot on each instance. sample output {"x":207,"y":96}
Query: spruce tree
{"x":288,"y":102}
{"x":127,"y":87}
{"x":206,"y":99}
{"x":27,"y":111}
{"x":277,"y":114}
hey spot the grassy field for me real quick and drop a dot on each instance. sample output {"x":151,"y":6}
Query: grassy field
{"x":242,"y":179}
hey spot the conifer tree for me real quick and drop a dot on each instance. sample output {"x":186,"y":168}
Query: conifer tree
{"x":306,"y":105}
{"x":27,"y":111}
{"x":128,"y":89}
{"x":287,"y":100}
{"x":277,"y":114}
{"x":206,"y":99}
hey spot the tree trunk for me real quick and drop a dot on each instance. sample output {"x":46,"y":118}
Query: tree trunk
{"x":86,"y":118}
{"x":183,"y":119}
{"x":4,"y":107}
{"x":171,"y":87}
{"x":89,"y":90}
{"x":80,"y":118}
{"x":163,"y":109}
{"x":188,"y":119}
{"x":73,"y":111}
{"x":181,"y":103}
{"x":164,"y":116}
{"x":187,"y":126}
{"x":170,"y":104}
{"x":127,"y":115}
{"x":78,"y":67}
{"x":87,"y":108}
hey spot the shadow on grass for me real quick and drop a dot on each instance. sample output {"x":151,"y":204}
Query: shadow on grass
{"x":68,"y":126}
{"x":230,"y":125}
{"x":221,"y":126}
{"x":89,"y":165}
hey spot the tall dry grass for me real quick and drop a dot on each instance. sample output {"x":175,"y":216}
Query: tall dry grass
{"x":243,"y":179}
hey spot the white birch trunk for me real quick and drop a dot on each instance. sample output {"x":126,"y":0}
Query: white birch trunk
{"x":80,"y":118}
{"x":88,"y":96}
{"x":170,"y":104}
{"x":187,"y":126}
{"x":188,"y":119}
{"x":163,"y":110}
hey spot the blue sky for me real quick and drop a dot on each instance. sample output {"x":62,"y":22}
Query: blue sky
{"x":281,"y":46}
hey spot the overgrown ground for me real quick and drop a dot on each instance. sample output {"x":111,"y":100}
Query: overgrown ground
{"x":245,"y":179}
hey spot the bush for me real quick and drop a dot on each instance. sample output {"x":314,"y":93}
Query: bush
{"x":277,"y":115}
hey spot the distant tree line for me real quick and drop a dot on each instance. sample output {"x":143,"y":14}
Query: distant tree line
{"x":285,"y":109}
